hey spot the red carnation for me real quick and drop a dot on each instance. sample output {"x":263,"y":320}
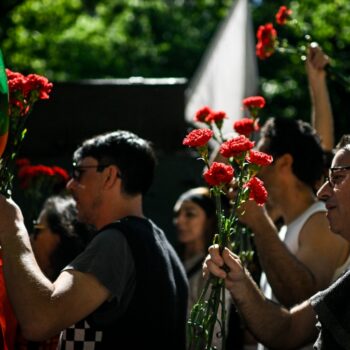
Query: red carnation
{"x":215,"y":117}
{"x":245,"y":126}
{"x":16,"y":81}
{"x":267,"y":37}
{"x":254,"y":102}
{"x":283,"y":15}
{"x":257,"y":190}
{"x":24,"y":91}
{"x":38,"y":84}
{"x":218,"y":174}
{"x":28,"y":173}
{"x":236,"y":146}
{"x":259,"y":158}
{"x":30,"y":176}
{"x":60,"y":173}
{"x":202,"y":113}
{"x":198,"y":138}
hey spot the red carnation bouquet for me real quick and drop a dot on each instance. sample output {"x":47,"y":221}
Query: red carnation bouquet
{"x":36,"y":178}
{"x":18,"y":94}
{"x":240,"y":168}
{"x":37,"y":182}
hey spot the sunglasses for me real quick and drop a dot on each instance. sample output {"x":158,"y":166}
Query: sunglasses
{"x":78,"y":170}
{"x":37,"y":227}
{"x":334,"y":178}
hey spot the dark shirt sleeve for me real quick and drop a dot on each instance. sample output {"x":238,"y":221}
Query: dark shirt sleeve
{"x":333,"y":312}
{"x":108,"y":257}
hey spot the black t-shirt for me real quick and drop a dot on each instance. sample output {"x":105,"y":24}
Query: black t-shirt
{"x":333,"y":312}
{"x":135,"y":262}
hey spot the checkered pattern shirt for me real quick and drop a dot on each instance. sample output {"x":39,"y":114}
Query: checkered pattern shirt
{"x":80,"y":337}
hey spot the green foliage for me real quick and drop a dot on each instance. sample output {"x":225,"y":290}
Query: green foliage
{"x":81,"y":39}
{"x":283,"y":77}
{"x":75,"y":39}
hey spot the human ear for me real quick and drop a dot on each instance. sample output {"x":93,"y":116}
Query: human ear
{"x":284,"y":162}
{"x":111,"y":176}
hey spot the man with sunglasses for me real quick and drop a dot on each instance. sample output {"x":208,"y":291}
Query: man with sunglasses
{"x":326,"y":314}
{"x":127,"y":290}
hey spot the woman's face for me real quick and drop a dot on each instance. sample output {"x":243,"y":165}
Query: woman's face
{"x":190,"y":221}
{"x":44,"y":242}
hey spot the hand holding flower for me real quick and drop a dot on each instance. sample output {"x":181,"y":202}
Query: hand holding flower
{"x":252,"y":215}
{"x":226,"y":266}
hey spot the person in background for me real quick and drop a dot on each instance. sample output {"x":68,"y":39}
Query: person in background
{"x":196,"y":224}
{"x":58,"y":236}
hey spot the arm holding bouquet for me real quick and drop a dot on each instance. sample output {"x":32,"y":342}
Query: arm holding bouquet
{"x":271,"y":324}
{"x":42,"y":308}
{"x":293,"y":278}
{"x":290,"y":258}
{"x":275,"y":326}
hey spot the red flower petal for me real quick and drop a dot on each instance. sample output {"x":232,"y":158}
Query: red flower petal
{"x":218,"y":174}
{"x":245,"y":126}
{"x":259,"y":158}
{"x":198,"y":138}
{"x":202,"y":113}
{"x":236,"y":146}
{"x":257,"y":191}
{"x":283,"y":15}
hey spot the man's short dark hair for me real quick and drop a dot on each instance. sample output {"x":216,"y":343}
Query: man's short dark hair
{"x":301,"y":141}
{"x":133,"y":155}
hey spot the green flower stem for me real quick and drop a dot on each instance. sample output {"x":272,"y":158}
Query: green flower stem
{"x":223,"y":319}
{"x":196,"y":335}
{"x":222,"y":240}
{"x":16,"y":137}
{"x":218,"y":138}
{"x":221,"y":137}
{"x":205,"y":313}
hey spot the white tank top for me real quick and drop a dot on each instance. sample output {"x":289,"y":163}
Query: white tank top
{"x":290,"y":236}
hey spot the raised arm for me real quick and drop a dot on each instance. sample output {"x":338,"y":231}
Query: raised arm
{"x":321,"y":114}
{"x":41,"y":307}
{"x":271,"y":324}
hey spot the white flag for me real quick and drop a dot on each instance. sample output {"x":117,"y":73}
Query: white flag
{"x":228,"y":71}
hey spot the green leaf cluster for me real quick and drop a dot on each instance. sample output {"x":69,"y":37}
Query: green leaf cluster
{"x":82,"y":39}
{"x":77,"y":39}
